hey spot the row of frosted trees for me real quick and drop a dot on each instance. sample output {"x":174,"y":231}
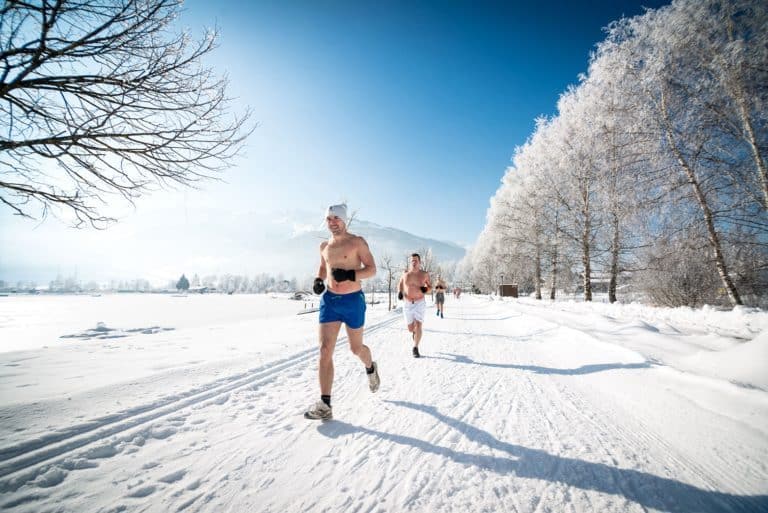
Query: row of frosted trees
{"x":652,"y":177}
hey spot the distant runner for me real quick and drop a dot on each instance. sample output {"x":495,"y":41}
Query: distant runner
{"x":347,"y":260}
{"x":440,"y":296}
{"x":411,"y":289}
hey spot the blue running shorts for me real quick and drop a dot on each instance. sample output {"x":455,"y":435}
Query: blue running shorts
{"x":346,"y":308}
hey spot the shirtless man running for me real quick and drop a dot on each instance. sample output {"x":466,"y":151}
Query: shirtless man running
{"x":411,"y":289}
{"x":344,"y":260}
{"x":440,"y":289}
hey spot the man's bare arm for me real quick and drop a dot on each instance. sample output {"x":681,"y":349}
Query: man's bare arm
{"x":369,"y":265}
{"x":322,"y":272}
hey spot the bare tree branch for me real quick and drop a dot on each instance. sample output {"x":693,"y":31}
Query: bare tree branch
{"x":99,"y":98}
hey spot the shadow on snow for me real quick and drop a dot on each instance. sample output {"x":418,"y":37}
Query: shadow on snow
{"x":646,"y":489}
{"x":584,"y":369}
{"x":512,"y":338}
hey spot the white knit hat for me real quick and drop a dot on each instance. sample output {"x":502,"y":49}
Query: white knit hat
{"x":339,"y":211}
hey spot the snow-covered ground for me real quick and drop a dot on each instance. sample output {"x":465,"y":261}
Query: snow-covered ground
{"x":161,"y":403}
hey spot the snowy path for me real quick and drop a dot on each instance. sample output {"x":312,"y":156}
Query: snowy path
{"x":511,"y":409}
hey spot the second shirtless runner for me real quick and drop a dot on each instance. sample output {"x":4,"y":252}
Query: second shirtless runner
{"x":411,"y":289}
{"x":344,"y":260}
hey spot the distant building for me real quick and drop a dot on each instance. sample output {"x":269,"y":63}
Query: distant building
{"x":508,"y":290}
{"x":201,"y":290}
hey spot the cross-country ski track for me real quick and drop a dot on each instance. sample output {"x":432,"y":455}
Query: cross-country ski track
{"x":511,"y":408}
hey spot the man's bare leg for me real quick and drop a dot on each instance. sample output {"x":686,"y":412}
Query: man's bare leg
{"x":329,"y":332}
{"x":364,"y":353}
{"x":416,"y":333}
{"x":358,"y":348}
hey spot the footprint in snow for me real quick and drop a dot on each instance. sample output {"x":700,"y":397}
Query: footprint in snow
{"x":142,"y":492}
{"x":105,"y":451}
{"x":161,"y":433}
{"x":173,"y":476}
{"x":51,"y":477}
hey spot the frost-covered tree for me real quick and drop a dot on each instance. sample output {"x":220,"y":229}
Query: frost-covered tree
{"x":658,"y":153}
{"x":701,"y":65}
{"x":624,"y":148}
{"x":573,"y":135}
{"x":517,"y":215}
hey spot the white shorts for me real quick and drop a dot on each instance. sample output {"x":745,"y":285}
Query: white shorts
{"x":414,"y":311}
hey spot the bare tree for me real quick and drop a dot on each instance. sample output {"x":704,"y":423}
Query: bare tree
{"x":100,"y":98}
{"x":387,"y":265}
{"x":427,"y":259}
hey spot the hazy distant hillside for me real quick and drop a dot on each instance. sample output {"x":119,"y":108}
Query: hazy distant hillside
{"x":300,"y":252}
{"x":213,"y":241}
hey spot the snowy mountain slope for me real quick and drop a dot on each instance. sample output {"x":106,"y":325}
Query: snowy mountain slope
{"x":301,"y":250}
{"x":213,"y":241}
{"x":508,"y":411}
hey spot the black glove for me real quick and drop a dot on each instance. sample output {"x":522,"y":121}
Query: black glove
{"x":400,"y":295}
{"x":318,"y":286}
{"x":424,"y":289}
{"x":343,"y":274}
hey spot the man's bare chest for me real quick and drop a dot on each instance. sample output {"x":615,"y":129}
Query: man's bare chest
{"x":339,"y":253}
{"x":414,"y":278}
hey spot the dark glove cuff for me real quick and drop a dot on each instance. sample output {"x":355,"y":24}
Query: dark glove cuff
{"x":343,"y":274}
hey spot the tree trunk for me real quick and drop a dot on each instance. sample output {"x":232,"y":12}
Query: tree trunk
{"x":586,"y":247}
{"x":714,"y":238}
{"x":615,"y":217}
{"x":537,"y":273}
{"x":614,"y":259}
{"x":749,"y":129}
{"x":752,"y":140}
{"x":587,"y":270}
{"x":553,"y":286}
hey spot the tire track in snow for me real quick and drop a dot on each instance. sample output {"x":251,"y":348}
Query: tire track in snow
{"x":465,"y":400}
{"x":443,"y":480}
{"x":27,"y":455}
{"x":560,"y":412}
{"x":643,"y":437}
{"x":645,"y":441}
{"x":563,"y":402}
{"x":712,"y":476}
{"x":274,"y":465}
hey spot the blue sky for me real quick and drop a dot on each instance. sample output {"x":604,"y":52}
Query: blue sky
{"x":410,"y":111}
